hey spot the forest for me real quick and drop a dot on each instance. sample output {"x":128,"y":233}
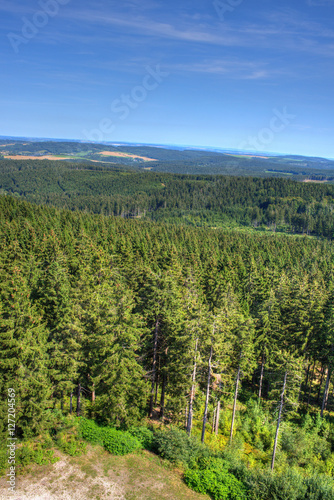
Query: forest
{"x":213,"y":348}
{"x":273,"y":204}
{"x":176,"y":159}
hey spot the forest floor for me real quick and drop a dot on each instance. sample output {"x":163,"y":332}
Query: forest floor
{"x":97,"y":475}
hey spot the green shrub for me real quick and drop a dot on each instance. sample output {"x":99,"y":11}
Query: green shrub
{"x":3,"y":459}
{"x":119,"y":442}
{"x":319,"y":488}
{"x":71,"y":444}
{"x":144,"y":435}
{"x":34,"y":453}
{"x":115,"y":441}
{"x":215,"y":480}
{"x":90,"y":431}
{"x":177,"y":447}
{"x":270,"y":486}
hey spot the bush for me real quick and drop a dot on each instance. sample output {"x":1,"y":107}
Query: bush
{"x":119,"y":442}
{"x":114,"y":441}
{"x":177,"y":447}
{"x":90,"y":431}
{"x":34,"y":452}
{"x":215,"y":480}
{"x":144,"y":435}
{"x":270,"y":486}
{"x":71,"y":444}
{"x":319,"y":488}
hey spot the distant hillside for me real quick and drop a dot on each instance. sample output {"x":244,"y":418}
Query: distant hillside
{"x":203,"y":200}
{"x":178,"y":160}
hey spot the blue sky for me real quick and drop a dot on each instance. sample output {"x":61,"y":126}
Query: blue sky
{"x":251,"y":74}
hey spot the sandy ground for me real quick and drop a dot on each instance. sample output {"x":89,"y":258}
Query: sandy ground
{"x":125,"y":155}
{"x":46,"y":157}
{"x":62,"y":481}
{"x":97,"y":475}
{"x":316,"y":182}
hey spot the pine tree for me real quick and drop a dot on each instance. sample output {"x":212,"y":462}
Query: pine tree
{"x":24,"y":360}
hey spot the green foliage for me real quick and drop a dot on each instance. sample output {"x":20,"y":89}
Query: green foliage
{"x":70,"y":444}
{"x":194,"y":200}
{"x":214,"y":479}
{"x":115,"y":441}
{"x":38,"y":451}
{"x":90,"y":431}
{"x":177,"y":447}
{"x":144,"y":435}
{"x":269,"y":486}
{"x":289,"y":485}
{"x":119,"y":442}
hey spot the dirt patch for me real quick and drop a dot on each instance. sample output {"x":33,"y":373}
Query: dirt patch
{"x":247,"y":156}
{"x":316,"y":182}
{"x":97,"y":475}
{"x":125,"y":155}
{"x":45,"y":157}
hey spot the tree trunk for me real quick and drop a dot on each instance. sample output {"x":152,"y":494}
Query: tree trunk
{"x":217,"y":418}
{"x":279,"y":421}
{"x":71,"y":404}
{"x":93,"y":394}
{"x":192,"y":394}
{"x":325,"y":398}
{"x":235,"y":403}
{"x":321,"y":380}
{"x":62,"y":400}
{"x":310,"y":387}
{"x":214,"y":420}
{"x":78,"y":399}
{"x":154,"y":366}
{"x":163,"y":392}
{"x":306,"y":381}
{"x":261,"y":376}
{"x":207,"y":396}
{"x":156,"y":390}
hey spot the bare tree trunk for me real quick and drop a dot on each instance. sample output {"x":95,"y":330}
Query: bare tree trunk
{"x":192,"y":393}
{"x":93,"y":394}
{"x":207,"y":396}
{"x":310,"y":387}
{"x":321,"y":380}
{"x":214,"y":420}
{"x":325,"y":398}
{"x":235,"y":403}
{"x":306,"y":381}
{"x":217,"y":418}
{"x":163,"y":392}
{"x":261,"y":376}
{"x":154,"y":366}
{"x":156,"y":390}
{"x":279,"y":421}
{"x":78,"y":399}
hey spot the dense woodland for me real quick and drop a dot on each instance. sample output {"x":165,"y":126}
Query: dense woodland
{"x":275,"y":203}
{"x":119,"y":318}
{"x":129,"y":308}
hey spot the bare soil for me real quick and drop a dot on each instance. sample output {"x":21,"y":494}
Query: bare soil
{"x":97,"y":475}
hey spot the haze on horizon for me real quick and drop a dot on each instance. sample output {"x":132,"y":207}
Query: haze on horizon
{"x":233,"y":74}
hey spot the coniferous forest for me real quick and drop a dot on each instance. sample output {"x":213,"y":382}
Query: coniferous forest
{"x":211,"y":347}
